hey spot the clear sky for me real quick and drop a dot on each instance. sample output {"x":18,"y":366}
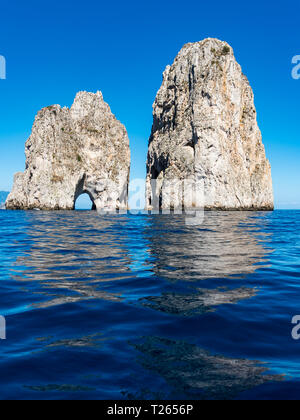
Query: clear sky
{"x":54,"y":49}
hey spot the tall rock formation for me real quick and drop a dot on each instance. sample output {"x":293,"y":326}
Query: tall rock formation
{"x":73,"y":151}
{"x":205,"y":129}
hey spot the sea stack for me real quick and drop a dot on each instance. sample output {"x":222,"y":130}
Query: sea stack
{"x":84,"y":149}
{"x":205,"y":129}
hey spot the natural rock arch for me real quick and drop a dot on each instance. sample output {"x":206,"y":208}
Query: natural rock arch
{"x":73,"y":151}
{"x":81,"y":190}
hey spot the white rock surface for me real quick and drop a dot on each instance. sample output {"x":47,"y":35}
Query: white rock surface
{"x":84,"y":149}
{"x":205,"y":129}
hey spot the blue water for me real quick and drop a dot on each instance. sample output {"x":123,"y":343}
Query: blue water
{"x":146,"y":307}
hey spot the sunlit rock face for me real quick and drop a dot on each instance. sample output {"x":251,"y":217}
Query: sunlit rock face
{"x":205,"y":129}
{"x":84,"y":149}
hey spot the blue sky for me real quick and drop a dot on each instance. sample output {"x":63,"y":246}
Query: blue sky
{"x":54,"y":49}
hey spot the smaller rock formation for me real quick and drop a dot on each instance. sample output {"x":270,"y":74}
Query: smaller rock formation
{"x":84,"y":149}
{"x":205,"y":131}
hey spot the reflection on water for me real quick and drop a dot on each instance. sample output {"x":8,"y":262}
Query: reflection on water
{"x":225,"y":245}
{"x":89,"y":341}
{"x":195,"y":373}
{"x":204,"y":300}
{"x":80,"y":290}
{"x":73,"y":261}
{"x":59,"y":388}
{"x":71,"y":258}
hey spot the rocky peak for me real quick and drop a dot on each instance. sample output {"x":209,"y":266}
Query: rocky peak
{"x":205,"y":128}
{"x":84,"y":149}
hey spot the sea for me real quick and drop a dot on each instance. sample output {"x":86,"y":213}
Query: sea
{"x":135,"y":306}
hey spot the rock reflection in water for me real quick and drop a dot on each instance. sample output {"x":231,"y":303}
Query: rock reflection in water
{"x":227,"y":244}
{"x":93,"y":340}
{"x":59,"y":388}
{"x":196,"y":374}
{"x":73,"y":255}
{"x":205,"y":300}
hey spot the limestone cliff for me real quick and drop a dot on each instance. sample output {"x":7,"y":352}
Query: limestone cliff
{"x":73,"y":151}
{"x":205,"y":128}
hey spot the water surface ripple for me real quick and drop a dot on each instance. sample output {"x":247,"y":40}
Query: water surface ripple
{"x":138,"y":306}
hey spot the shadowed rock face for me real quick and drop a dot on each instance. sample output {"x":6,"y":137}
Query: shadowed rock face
{"x":205,"y":129}
{"x":73,"y":151}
